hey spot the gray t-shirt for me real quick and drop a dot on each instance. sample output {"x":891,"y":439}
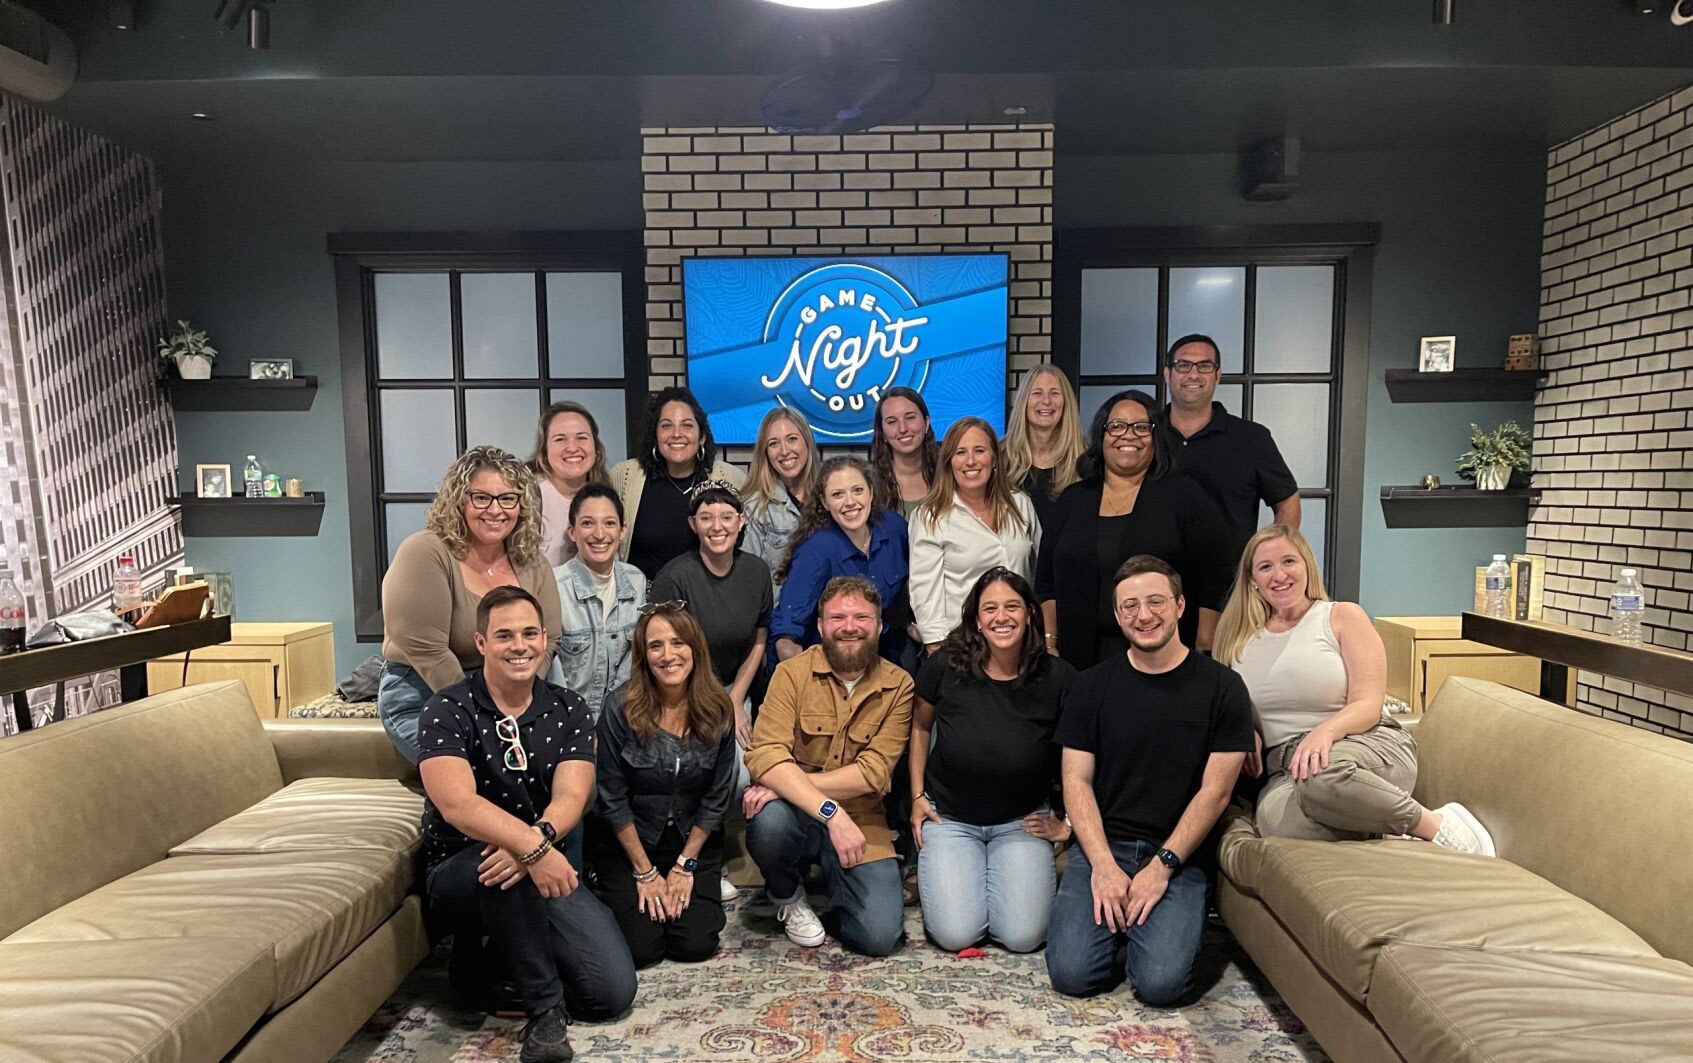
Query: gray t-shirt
{"x":730,"y":608}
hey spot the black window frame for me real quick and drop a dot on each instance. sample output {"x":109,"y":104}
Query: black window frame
{"x":359,"y":256}
{"x":1350,"y":248}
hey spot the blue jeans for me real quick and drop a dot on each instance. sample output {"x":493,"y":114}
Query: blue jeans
{"x":785,"y":842}
{"x":400,"y":697}
{"x":1082,"y":957}
{"x":995,"y":880}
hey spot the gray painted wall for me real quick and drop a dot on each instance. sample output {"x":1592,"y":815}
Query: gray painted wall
{"x":245,"y":259}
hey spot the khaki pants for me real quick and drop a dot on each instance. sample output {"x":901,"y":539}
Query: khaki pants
{"x":1365,"y":790}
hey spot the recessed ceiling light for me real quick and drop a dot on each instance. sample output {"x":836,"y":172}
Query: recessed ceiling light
{"x":1016,"y":112}
{"x":826,"y":5}
{"x":201,"y":116}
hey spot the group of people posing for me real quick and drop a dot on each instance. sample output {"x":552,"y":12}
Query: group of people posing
{"x":926,"y":675}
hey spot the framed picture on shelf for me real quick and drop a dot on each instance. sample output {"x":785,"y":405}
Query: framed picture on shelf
{"x":1435,"y":355}
{"x":270,"y":369}
{"x":211,"y":481}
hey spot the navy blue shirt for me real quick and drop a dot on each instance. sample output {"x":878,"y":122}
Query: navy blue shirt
{"x":829,"y":553}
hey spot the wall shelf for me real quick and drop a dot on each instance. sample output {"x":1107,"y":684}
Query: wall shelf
{"x":212,"y":517}
{"x":239,"y":393}
{"x":1411,"y":506}
{"x":1463,"y":385}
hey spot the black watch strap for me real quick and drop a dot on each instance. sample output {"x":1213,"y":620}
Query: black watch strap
{"x":1169,"y":859}
{"x":547,"y":830}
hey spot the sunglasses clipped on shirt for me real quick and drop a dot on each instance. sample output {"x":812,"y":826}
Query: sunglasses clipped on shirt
{"x":517,"y":758}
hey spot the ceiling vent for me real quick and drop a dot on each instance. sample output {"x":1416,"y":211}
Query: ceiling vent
{"x":37,"y":58}
{"x":843,"y":91}
{"x":1269,"y":172}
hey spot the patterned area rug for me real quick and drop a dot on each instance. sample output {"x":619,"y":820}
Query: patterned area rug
{"x":764,"y":999}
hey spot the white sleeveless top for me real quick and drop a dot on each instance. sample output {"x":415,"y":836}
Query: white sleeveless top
{"x":1297,"y":678}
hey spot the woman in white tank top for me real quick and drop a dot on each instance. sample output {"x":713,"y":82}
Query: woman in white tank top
{"x":1334,"y":765}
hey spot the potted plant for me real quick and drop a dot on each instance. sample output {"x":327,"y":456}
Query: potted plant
{"x":188,"y":348}
{"x":1494,"y":456}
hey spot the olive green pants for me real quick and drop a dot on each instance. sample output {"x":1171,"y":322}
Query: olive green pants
{"x":1365,"y":790}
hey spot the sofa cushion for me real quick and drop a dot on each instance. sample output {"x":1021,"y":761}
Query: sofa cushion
{"x":1343,"y":900}
{"x":1454,"y":1005}
{"x":319,"y":814}
{"x":312,"y":908}
{"x":146,"y":1000}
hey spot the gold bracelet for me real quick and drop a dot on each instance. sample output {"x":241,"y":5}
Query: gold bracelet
{"x":530,"y":858}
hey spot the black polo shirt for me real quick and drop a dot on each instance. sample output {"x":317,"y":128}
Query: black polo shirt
{"x":461,"y":721}
{"x":1237,"y":463}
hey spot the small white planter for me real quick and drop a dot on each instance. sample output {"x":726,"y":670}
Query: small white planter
{"x":1492,"y":477}
{"x":194,"y":367}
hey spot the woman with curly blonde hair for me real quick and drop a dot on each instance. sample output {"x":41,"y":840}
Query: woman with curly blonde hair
{"x":483,"y":531}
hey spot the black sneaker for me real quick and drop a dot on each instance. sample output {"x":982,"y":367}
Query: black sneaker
{"x":547,"y":1038}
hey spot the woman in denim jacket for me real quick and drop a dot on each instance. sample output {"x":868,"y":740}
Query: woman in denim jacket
{"x":599,"y":597}
{"x":783,"y":478}
{"x":666,"y":774}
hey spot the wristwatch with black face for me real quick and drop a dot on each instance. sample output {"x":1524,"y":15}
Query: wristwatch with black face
{"x":827,"y":810}
{"x":687,"y":865}
{"x":1170,"y":859}
{"x":547,"y":830}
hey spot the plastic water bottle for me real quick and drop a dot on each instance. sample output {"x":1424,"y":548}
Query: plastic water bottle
{"x":126,"y":585}
{"x":11,"y":614}
{"x":1498,"y":587}
{"x":253,"y":475}
{"x":1628,"y":605}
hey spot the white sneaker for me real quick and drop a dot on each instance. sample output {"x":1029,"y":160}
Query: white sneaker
{"x":801,"y":924}
{"x":1462,"y":832}
{"x":726,"y":890}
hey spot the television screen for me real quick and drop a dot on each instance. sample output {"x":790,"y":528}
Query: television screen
{"x":827,"y":336}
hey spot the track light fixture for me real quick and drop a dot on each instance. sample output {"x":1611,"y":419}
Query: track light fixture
{"x":229,"y":14}
{"x":1443,"y":12}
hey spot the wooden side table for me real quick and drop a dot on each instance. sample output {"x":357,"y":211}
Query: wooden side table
{"x":282,"y":664}
{"x":1423,"y":651}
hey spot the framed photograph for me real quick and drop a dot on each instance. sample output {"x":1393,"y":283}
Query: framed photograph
{"x":1436,"y":354}
{"x":211,"y":481}
{"x":270,"y":369}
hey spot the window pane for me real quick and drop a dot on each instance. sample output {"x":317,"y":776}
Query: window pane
{"x":1094,"y":394}
{"x":1232,"y":396}
{"x":499,"y":324}
{"x":414,"y":326}
{"x":1298,"y":416}
{"x":403,"y":518}
{"x":607,"y":407}
{"x":585,"y":325}
{"x":502,"y":418}
{"x":1313,"y":518}
{"x":1119,"y":321}
{"x":1211,"y":300}
{"x":1294,"y":323}
{"x":417,"y":439}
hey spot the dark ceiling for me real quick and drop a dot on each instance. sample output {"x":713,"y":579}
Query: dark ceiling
{"x":577,"y":79}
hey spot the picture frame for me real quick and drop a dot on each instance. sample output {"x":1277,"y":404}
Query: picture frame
{"x":270,"y":369}
{"x":212,"y":481}
{"x":1436,"y":354}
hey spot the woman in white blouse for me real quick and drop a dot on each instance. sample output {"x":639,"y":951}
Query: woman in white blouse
{"x":972,"y":520}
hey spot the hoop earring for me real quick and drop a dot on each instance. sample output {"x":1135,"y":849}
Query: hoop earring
{"x":699,"y":458}
{"x":655,"y":454}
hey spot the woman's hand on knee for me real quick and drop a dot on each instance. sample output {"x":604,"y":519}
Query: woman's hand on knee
{"x":922,"y":811}
{"x":1311,"y":755}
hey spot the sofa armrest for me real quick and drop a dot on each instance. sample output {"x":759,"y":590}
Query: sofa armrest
{"x":342,"y":749}
{"x":1239,"y":848}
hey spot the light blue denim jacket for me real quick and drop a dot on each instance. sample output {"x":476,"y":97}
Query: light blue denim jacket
{"x":593,"y":651}
{"x":769,"y":527}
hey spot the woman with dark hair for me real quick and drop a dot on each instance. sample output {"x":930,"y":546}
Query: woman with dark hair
{"x":676,"y":454}
{"x":568,"y":454}
{"x":1128,"y":501}
{"x":981,"y":796}
{"x":598,"y":597}
{"x":666,"y":774}
{"x":903,"y":451}
{"x":842,"y":533}
{"x":483,"y":531}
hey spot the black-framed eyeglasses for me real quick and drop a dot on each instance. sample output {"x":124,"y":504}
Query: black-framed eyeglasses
{"x":482,"y":500}
{"x":675,"y":605}
{"x":1119,"y":428}
{"x":1183,"y":367}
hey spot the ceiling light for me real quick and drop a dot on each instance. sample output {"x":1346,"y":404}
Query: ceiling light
{"x":1016,"y":112}
{"x":201,"y":116}
{"x":826,"y":5}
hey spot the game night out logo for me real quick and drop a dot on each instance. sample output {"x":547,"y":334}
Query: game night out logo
{"x":835,"y":336}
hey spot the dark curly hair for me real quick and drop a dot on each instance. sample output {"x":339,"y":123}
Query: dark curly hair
{"x":647,"y":455}
{"x":816,"y":516}
{"x":967,"y":650}
{"x":884,"y":486}
{"x":1091,"y":466}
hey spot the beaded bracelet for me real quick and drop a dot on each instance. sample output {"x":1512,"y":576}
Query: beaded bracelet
{"x":648,"y":875}
{"x":530,"y":858}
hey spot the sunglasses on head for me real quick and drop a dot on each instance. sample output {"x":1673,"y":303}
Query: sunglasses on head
{"x":675,"y":605}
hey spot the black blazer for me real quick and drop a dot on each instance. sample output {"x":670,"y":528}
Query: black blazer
{"x":1173,"y":520}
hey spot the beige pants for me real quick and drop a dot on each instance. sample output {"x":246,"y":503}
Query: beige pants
{"x":1365,"y":790}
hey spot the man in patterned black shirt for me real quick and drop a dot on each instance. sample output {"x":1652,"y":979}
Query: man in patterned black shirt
{"x":508,"y":766}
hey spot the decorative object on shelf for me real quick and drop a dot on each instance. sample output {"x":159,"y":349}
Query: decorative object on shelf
{"x":294,"y":489}
{"x":1523,"y":352}
{"x":273,"y":485}
{"x":1494,"y":456}
{"x":1429,"y":482}
{"x":211,"y":481}
{"x":188,"y":348}
{"x":253,"y":477}
{"x":1435,"y":354}
{"x":222,"y":587}
{"x":270,"y":369}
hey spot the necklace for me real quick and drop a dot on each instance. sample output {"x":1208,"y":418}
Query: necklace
{"x":689,"y":479}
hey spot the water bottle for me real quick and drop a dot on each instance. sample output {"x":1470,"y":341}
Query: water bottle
{"x":11,"y":614}
{"x":1498,"y":587}
{"x":254,"y":476}
{"x":1628,"y":605}
{"x":126,"y":585}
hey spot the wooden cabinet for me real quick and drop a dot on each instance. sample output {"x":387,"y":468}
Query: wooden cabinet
{"x":282,"y":664}
{"x":1423,"y":651}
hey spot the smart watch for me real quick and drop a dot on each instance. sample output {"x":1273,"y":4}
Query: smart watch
{"x":687,"y":865}
{"x":827,"y":810}
{"x":1170,"y":859}
{"x":548,"y":831}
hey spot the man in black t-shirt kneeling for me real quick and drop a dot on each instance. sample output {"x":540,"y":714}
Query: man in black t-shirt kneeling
{"x":1153,"y":740}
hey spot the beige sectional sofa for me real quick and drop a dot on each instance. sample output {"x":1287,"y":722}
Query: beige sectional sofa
{"x":1573,"y":946}
{"x":184,"y":883}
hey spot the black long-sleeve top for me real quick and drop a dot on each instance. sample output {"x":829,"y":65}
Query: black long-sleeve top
{"x":662,"y":780}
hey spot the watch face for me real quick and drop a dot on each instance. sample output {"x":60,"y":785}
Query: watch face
{"x":690,"y":865}
{"x":827,"y":809}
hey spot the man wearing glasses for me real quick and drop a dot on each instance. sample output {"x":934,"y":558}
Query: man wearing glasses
{"x":1153,"y":741}
{"x":508,"y":766}
{"x":1235,"y":460}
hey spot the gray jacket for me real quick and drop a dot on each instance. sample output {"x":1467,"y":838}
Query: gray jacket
{"x":593,"y":651}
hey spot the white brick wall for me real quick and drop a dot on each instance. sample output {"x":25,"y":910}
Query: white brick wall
{"x":892,"y":190}
{"x":1613,"y":451}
